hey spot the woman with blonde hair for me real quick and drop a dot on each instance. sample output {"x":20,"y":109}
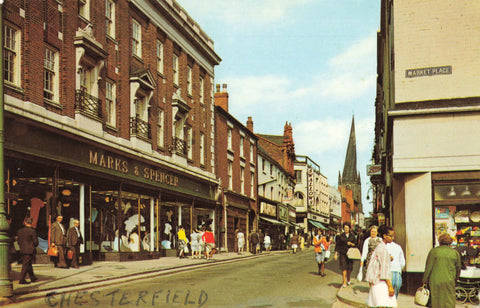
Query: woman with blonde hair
{"x":369,"y":246}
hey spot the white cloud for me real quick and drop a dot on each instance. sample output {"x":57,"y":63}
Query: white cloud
{"x":243,"y":13}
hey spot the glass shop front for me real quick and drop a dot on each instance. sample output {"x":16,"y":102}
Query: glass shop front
{"x":129,"y":209}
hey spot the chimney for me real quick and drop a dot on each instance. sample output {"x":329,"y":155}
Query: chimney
{"x":250,"y":124}
{"x":221,"y":97}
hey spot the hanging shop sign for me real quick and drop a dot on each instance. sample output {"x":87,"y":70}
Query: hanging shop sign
{"x":310,"y":188}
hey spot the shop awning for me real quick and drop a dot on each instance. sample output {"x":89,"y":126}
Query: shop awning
{"x":273,"y":221}
{"x":317,"y":224}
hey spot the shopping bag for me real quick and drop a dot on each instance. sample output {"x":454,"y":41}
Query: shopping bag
{"x":52,"y":251}
{"x":422,"y":295}
{"x":354,"y":253}
{"x":70,"y":255}
{"x":327,"y":254}
{"x":360,"y":274}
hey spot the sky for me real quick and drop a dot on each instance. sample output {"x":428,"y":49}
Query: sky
{"x":311,"y":63}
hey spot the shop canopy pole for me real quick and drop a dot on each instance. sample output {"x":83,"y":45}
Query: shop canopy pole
{"x":6,"y":286}
{"x":158,"y":219}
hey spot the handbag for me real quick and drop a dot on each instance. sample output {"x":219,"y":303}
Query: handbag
{"x":360,"y":274}
{"x":327,"y":254}
{"x":70,"y":254}
{"x":52,"y":251}
{"x":354,"y":253}
{"x":422,"y":295}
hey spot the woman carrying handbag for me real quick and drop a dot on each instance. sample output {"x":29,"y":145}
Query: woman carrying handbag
{"x":345,"y":241}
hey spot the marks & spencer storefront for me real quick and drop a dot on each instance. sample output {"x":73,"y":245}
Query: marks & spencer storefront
{"x":129,"y":207}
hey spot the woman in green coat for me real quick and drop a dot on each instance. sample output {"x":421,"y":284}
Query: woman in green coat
{"x":441,"y":272}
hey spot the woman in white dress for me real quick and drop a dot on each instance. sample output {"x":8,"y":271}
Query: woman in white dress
{"x":194,"y":244}
{"x":241,"y":241}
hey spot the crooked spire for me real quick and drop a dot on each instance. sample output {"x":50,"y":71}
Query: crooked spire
{"x":350,"y":168}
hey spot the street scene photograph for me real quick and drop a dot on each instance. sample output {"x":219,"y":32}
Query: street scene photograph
{"x":240,"y":153}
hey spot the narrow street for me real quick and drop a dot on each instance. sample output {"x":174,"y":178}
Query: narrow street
{"x":283,"y":280}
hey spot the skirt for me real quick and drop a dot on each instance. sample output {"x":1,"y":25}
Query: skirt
{"x":378,"y":296}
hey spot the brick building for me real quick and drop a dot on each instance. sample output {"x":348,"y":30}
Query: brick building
{"x":235,"y":157}
{"x":109,"y":119}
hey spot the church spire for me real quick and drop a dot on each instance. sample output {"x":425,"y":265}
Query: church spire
{"x":350,"y":167}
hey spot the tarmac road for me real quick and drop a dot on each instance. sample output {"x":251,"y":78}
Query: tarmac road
{"x":276,"y":280}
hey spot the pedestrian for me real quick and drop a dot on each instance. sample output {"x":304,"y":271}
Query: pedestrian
{"x":442,"y":270}
{"x":345,"y":241}
{"x":267,"y":242}
{"x":195,"y":243}
{"x":201,"y":243}
{"x":58,"y":238}
{"x":301,"y":240}
{"x":28,"y":241}
{"x":12,"y":252}
{"x":254,"y":241}
{"x":321,"y":245}
{"x":369,"y":246}
{"x":379,"y":275}
{"x":294,"y":242}
{"x":241,"y":241}
{"x":397,"y":264}
{"x":261,"y":240}
{"x":74,"y":240}
{"x":209,"y":240}
{"x":182,"y":242}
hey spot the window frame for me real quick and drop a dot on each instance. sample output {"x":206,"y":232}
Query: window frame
{"x":50,"y":70}
{"x":159,"y":56}
{"x":136,"y":38}
{"x":110,"y":103}
{"x":175,"y":69}
{"x":14,"y":69}
{"x":110,"y":18}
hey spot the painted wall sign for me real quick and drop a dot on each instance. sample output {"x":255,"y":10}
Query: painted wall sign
{"x":428,"y":71}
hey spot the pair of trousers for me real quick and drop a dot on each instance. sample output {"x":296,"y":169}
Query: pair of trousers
{"x":60,"y":260}
{"x":396,"y":282}
{"x":27,"y":267}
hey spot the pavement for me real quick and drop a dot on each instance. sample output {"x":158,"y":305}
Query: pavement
{"x":55,"y":280}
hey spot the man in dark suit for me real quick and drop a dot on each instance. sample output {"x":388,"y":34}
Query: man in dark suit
{"x":28,"y":241}
{"x":74,"y":240}
{"x":58,"y":238}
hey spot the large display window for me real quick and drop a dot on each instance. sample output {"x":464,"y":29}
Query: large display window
{"x":457,"y":212}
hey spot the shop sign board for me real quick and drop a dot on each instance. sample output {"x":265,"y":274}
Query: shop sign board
{"x":268,"y":209}
{"x":41,"y":143}
{"x":310,"y":188}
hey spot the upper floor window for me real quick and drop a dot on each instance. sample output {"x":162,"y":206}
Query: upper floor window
{"x":251,"y":153}
{"x":252,"y":184}
{"x":136,"y":38}
{"x":263,"y":164}
{"x":50,"y":75}
{"x":110,"y":102}
{"x":202,"y":149}
{"x":190,"y":143}
{"x":242,"y":180}
{"x":160,"y":129}
{"x":298,"y":176}
{"x":229,"y":140}
{"x":230,"y":175}
{"x":242,"y":140}
{"x":201,"y":90}
{"x":271,"y":169}
{"x":110,"y":17}
{"x":189,"y":80}
{"x":11,"y":55}
{"x":159,"y":56}
{"x":175,"y":69}
{"x":84,"y":8}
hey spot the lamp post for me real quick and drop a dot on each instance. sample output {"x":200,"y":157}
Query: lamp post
{"x":6,"y":288}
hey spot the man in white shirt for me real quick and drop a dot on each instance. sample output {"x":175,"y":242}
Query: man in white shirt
{"x":396,"y":266}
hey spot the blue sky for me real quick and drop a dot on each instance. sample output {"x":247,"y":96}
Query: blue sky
{"x":309,"y":62}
